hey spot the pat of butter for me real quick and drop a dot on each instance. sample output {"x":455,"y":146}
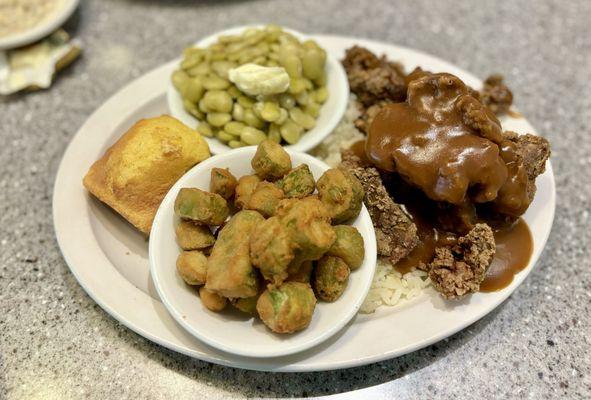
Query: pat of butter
{"x":256,"y":80}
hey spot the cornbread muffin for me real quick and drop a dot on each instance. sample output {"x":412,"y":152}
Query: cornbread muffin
{"x":136,"y":172}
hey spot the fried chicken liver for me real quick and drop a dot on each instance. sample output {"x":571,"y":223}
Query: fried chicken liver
{"x":460,"y":269}
{"x":373,"y":79}
{"x":496,"y":95}
{"x":396,"y":234}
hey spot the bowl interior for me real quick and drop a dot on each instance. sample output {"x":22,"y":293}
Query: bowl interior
{"x":230,"y":330}
{"x":330,"y":114}
{"x":44,"y":28}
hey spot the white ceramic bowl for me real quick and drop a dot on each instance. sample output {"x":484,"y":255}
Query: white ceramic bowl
{"x":37,"y":32}
{"x":330,"y":114}
{"x":232,"y":331}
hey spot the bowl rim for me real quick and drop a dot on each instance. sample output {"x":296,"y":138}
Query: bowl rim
{"x":205,"y":166}
{"x":217,"y":147}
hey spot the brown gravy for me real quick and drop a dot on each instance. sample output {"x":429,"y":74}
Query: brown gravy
{"x":514,"y":250}
{"x":358,"y":148}
{"x":446,"y":143}
{"x":514,"y":244}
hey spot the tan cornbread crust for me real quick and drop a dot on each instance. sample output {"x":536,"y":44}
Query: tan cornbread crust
{"x":134,"y":174}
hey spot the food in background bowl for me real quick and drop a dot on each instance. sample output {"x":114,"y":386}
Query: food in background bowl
{"x":280,"y":252}
{"x":263,"y":83}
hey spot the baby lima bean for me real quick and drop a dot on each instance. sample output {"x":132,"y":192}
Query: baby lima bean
{"x":240,"y":119}
{"x":252,"y":136}
{"x":218,"y":101}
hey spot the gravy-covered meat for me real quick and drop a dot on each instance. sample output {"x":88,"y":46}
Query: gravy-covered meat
{"x":459,"y":269}
{"x":396,"y":234}
{"x":441,"y":140}
{"x":373,"y":79}
{"x":532,"y":152}
{"x":448,"y":144}
{"x":442,"y":179}
{"x":496,"y":95}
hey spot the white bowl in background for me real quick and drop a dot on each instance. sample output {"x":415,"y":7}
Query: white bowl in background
{"x":231,"y":331}
{"x":46,"y":27}
{"x":331,"y":112}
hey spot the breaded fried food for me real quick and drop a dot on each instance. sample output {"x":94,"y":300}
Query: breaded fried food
{"x":348,"y":246}
{"x":298,"y":183}
{"x":136,"y":172}
{"x":271,"y":250}
{"x":211,"y":300}
{"x":496,"y":95}
{"x":247,"y":305}
{"x":331,"y":277}
{"x":341,"y":193}
{"x":229,"y":270}
{"x":373,"y":79}
{"x":192,"y":267}
{"x":265,"y":198}
{"x":460,"y":269}
{"x":307,"y":221}
{"x":246,"y":185}
{"x":201,"y":207}
{"x":303,"y":273}
{"x":222,"y":182}
{"x":534,"y":151}
{"x":311,"y":207}
{"x":396,"y":233}
{"x":287,"y":308}
{"x":191,"y":236}
{"x":271,"y":161}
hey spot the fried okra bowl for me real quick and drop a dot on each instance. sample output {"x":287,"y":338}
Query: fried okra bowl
{"x":252,"y":293}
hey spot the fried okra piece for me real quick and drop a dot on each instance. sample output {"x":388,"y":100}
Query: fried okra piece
{"x":342,"y":194}
{"x":212,"y":301}
{"x":191,"y":236}
{"x":192,"y":267}
{"x":331,"y":277}
{"x":229,"y":270}
{"x":303,"y":272}
{"x":287,"y":308}
{"x":265,"y":198}
{"x":201,"y":207}
{"x":299,"y":182}
{"x":271,"y":250}
{"x":247,"y":305}
{"x":222,"y":182}
{"x":349,"y":246}
{"x":308,"y":223}
{"x":246,"y":185}
{"x":271,"y":161}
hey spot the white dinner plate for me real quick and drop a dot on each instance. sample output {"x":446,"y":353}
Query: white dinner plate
{"x":110,"y":258}
{"x":47,"y":26}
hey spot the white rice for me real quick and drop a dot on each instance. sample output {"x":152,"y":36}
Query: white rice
{"x":343,"y":136}
{"x":389,"y":287}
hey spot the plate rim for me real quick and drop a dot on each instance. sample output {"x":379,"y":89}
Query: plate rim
{"x":247,"y":363}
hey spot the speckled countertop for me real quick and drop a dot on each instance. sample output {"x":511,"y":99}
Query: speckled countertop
{"x":56,"y":343}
